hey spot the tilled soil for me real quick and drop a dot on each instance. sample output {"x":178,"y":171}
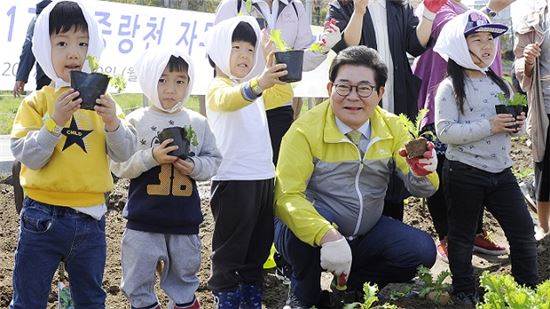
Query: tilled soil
{"x":275,"y":293}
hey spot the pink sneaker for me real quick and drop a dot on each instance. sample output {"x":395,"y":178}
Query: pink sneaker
{"x":442,"y":250}
{"x":484,"y":244}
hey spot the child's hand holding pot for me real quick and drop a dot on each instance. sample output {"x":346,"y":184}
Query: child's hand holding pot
{"x":504,"y":123}
{"x":271,"y":74}
{"x":160,"y":152}
{"x":106,"y":108}
{"x":65,"y":106}
{"x":185,"y":167}
{"x":422,"y":166}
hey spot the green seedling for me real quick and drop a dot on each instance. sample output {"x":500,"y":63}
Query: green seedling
{"x":436,"y":290}
{"x":277,"y":39}
{"x":118,"y":81}
{"x":190,"y":135}
{"x":517,"y":99}
{"x":413,"y":127}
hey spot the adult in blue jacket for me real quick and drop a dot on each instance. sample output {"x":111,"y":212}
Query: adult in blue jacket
{"x":26,"y":60}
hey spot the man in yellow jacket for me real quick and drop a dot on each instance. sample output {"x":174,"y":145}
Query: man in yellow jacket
{"x":331,"y":179}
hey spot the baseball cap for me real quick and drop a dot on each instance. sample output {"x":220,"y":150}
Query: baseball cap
{"x":478,"y":22}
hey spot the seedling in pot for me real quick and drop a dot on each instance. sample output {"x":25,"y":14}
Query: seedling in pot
{"x":294,"y":59}
{"x":182,"y":137}
{"x":418,"y":145}
{"x":92,"y":85}
{"x":514,"y":106}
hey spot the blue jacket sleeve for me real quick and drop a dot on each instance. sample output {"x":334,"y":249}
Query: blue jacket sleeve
{"x":26,"y":60}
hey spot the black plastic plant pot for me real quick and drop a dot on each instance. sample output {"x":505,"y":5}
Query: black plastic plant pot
{"x":294,"y":60}
{"x":515,"y":111}
{"x":261,"y":22}
{"x":179,"y":137}
{"x":90,"y":86}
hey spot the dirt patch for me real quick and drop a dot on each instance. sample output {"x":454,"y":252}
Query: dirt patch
{"x":416,"y":214}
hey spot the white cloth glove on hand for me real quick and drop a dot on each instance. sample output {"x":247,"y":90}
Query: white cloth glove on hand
{"x":336,"y":257}
{"x":331,"y":35}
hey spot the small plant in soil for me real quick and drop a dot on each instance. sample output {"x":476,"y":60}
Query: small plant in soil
{"x":294,"y":59}
{"x":434,"y":290}
{"x":418,"y":145}
{"x":92,"y":85}
{"x":514,"y":105}
{"x":183,"y":137}
{"x":370,"y":297}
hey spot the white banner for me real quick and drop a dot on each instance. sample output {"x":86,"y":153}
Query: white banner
{"x":128,"y":30}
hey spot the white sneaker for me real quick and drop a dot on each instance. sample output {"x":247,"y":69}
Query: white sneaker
{"x":540,"y":233}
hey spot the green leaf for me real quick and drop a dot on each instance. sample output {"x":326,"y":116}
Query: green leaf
{"x":93,"y":63}
{"x":370,"y":291}
{"x":414,"y":128}
{"x":278,"y":40}
{"x":191,"y":135}
{"x":248,"y":5}
{"x":119,"y":82}
{"x":316,"y":47}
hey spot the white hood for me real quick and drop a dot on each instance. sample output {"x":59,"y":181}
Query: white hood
{"x":41,"y":46}
{"x":218,"y":45}
{"x":149,"y":69}
{"x":451,"y":43}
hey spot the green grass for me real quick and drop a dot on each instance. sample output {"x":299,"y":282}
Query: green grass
{"x":128,"y":102}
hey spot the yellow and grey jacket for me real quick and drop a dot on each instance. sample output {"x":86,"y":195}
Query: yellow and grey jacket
{"x":322,"y":180}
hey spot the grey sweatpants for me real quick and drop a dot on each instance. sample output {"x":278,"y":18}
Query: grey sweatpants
{"x":141,"y":251}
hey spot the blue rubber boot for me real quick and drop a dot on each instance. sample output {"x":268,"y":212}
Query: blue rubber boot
{"x":251,"y":296}
{"x":227,"y":299}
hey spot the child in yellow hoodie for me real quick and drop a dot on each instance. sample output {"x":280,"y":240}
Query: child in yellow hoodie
{"x":64,"y":152}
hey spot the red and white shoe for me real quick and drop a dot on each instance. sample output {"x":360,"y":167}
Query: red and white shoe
{"x":443,"y":250}
{"x":483,"y":243}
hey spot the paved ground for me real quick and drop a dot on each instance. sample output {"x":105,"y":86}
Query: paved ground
{"x":6,"y":158}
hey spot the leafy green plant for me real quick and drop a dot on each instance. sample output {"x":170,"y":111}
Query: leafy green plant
{"x":436,"y":290}
{"x":517,"y":99}
{"x":501,"y":291}
{"x":397,"y":294}
{"x":277,"y":39}
{"x":191,"y":135}
{"x":370,"y":292}
{"x":413,"y":127}
{"x":118,"y":81}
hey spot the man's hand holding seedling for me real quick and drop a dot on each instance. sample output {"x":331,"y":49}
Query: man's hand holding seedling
{"x":160,"y":152}
{"x":185,"y":167}
{"x":422,"y":166}
{"x":271,"y":73}
{"x":335,"y":254}
{"x":106,"y":109}
{"x":65,"y":106}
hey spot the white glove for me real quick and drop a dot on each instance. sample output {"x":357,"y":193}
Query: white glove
{"x":430,"y":164}
{"x":329,"y":38}
{"x":336,"y":257}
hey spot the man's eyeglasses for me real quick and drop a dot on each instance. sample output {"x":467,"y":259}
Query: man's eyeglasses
{"x":363,"y":90}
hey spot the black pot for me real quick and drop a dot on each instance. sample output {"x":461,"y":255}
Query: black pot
{"x":178,"y":134}
{"x":261,"y":22}
{"x":90,"y":86}
{"x":294,"y":60}
{"x":514,"y":110}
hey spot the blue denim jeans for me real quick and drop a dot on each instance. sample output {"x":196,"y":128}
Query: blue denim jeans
{"x":467,"y":189}
{"x":390,"y":252}
{"x":51,"y":234}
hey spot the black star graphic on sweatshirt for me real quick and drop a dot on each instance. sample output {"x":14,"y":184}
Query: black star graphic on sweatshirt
{"x":75,"y":136}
